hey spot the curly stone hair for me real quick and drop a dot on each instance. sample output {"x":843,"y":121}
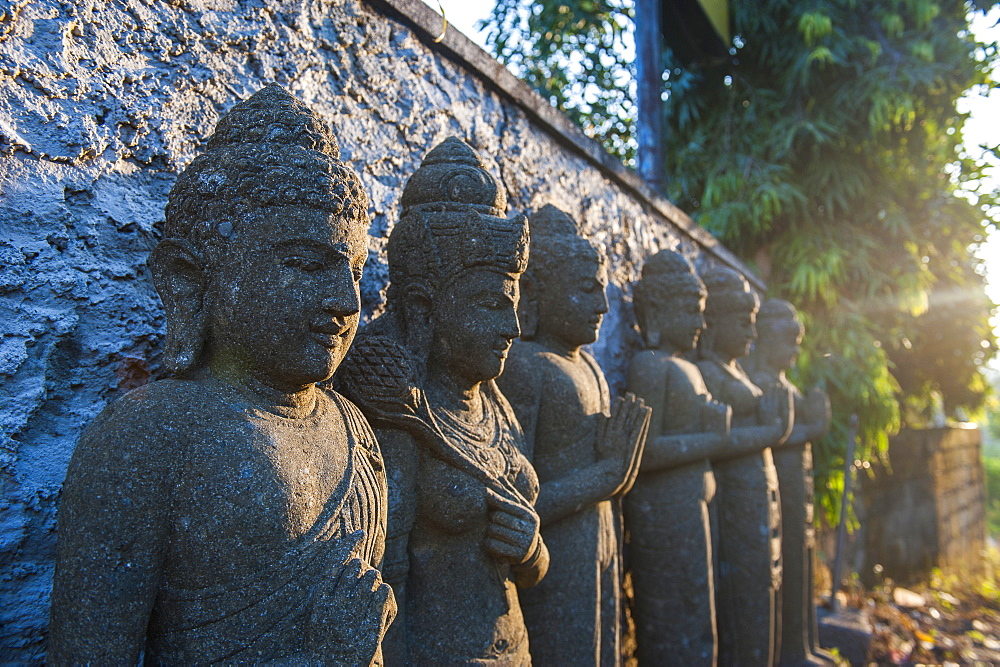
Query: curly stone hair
{"x":267,"y":151}
{"x":664,"y":275}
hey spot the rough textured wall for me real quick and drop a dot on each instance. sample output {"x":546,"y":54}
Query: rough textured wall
{"x":104,"y":102}
{"x":929,"y":510}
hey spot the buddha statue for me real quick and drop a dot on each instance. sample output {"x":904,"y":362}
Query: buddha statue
{"x":584,"y":447}
{"x":235,"y":512}
{"x":670,"y":542}
{"x":463,"y":533}
{"x":779,"y":335}
{"x":747,"y":499}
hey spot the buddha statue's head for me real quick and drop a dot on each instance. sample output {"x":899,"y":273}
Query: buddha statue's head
{"x":454,"y":264}
{"x":263,"y":247}
{"x":670,"y":302}
{"x":730,"y":313}
{"x":563,"y":290}
{"x":779,"y":335}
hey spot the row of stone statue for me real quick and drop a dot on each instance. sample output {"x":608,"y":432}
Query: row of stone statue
{"x":246,"y":510}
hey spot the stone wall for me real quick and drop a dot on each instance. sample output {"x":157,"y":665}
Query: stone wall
{"x":103,"y":103}
{"x":928,"y":508}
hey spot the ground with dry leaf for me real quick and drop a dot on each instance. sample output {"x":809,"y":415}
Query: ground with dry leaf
{"x":954,"y":619}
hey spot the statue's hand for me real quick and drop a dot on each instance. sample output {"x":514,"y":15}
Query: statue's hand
{"x":407,"y":410}
{"x":716,"y":417}
{"x":350,"y":614}
{"x":776,"y":408}
{"x":816,"y":404}
{"x":512,"y":534}
{"x":621,"y":438}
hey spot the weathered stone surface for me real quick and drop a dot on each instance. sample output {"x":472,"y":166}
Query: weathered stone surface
{"x":850,"y":631}
{"x":102,"y":104}
{"x":747,"y":501}
{"x":927,"y":508}
{"x":237,"y":512}
{"x":585,"y":450}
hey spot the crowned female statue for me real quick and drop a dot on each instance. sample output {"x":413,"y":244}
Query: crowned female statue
{"x":235,"y":512}
{"x":463,"y":534}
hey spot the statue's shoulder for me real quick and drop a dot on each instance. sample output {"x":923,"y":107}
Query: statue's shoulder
{"x":359,"y":429}
{"x":146,"y":427}
{"x":528,"y":363}
{"x":657,"y":366}
{"x":158,"y":404}
{"x":527,"y":351}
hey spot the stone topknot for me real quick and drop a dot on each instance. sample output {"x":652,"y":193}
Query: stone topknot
{"x":268,"y":150}
{"x":728,"y":292}
{"x":550,"y":220}
{"x":673,"y":267}
{"x":274,"y":117}
{"x":777,"y":309}
{"x":452,"y":221}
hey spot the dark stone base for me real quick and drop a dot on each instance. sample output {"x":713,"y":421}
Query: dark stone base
{"x":848,"y":631}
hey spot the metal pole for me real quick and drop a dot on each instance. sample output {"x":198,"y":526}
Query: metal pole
{"x":838,"y":561}
{"x":649,"y":87}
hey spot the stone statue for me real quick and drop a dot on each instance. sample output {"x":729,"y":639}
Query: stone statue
{"x":670,"y":543}
{"x":748,"y":509}
{"x":463,"y":534}
{"x":585,"y":449}
{"x":779,"y":335}
{"x":236,"y":513}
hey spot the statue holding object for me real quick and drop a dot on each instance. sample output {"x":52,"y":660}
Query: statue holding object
{"x":463,"y":534}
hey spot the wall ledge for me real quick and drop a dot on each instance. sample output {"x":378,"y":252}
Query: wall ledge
{"x":455,"y":46}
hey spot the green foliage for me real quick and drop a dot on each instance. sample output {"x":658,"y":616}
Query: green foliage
{"x":827,"y":154}
{"x":836,"y":131}
{"x":570,"y":52}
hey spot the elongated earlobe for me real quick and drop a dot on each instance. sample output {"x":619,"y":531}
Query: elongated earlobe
{"x":181,"y":280}
{"x":417,"y":318}
{"x":652,"y":338}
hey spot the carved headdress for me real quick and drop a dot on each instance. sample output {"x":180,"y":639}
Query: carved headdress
{"x":452,"y":221}
{"x":555,"y":240}
{"x":269,"y":150}
{"x":728,"y":292}
{"x":664,"y":275}
{"x":776,"y":314}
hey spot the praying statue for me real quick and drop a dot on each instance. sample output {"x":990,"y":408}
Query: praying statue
{"x":747,"y":499}
{"x":584,"y":447}
{"x":779,"y":335}
{"x":236,"y":512}
{"x":667,"y":513}
{"x":463,"y":534}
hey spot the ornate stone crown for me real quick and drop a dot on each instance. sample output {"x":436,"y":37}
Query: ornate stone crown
{"x":451,"y":177}
{"x":452,"y":221}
